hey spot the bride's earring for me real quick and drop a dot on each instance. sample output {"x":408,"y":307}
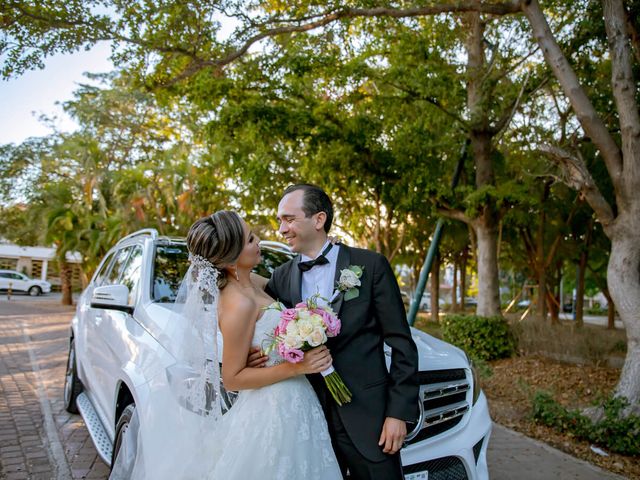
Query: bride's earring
{"x":235,"y":271}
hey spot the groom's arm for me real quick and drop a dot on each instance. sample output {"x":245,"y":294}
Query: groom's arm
{"x":402,"y":394}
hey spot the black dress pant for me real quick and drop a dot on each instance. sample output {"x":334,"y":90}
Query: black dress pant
{"x":350,"y":459}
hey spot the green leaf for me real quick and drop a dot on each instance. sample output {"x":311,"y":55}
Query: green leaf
{"x":351,"y":294}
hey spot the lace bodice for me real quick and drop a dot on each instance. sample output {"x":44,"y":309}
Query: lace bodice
{"x":264,"y":328}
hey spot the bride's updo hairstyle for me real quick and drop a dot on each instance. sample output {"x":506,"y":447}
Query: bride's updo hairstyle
{"x":219,"y":238}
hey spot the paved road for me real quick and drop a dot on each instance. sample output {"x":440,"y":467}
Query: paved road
{"x":39,"y":440}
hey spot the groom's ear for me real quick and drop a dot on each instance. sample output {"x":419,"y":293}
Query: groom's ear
{"x":321,"y":218}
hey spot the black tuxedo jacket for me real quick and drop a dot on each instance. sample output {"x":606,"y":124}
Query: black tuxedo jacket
{"x":375,"y":317}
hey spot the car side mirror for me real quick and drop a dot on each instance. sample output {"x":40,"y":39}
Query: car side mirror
{"x":112,"y":297}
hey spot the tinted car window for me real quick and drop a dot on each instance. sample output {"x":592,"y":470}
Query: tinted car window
{"x":271,"y":259}
{"x":131,"y":273}
{"x":170,"y":264}
{"x":99,"y":278}
{"x":118,"y":265}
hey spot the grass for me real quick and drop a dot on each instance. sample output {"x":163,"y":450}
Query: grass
{"x":591,"y":343}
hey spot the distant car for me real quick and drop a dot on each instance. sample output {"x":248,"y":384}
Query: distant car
{"x":425,"y":303}
{"x":19,"y":282}
{"x":524,"y":303}
{"x":470,"y":302}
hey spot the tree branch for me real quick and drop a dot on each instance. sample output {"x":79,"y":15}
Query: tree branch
{"x":582,"y":106}
{"x":577,"y":176}
{"x":454,"y":214}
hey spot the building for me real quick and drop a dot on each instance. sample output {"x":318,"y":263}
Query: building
{"x":40,"y":263}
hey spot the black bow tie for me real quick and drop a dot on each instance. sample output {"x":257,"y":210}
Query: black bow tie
{"x":320,"y":260}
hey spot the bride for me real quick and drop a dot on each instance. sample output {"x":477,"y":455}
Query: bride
{"x":276,"y":428}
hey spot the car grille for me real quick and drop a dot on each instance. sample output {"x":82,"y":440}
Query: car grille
{"x":445,"y":468}
{"x":443,"y":394}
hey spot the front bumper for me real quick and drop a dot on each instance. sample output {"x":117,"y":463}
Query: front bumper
{"x":459,"y":453}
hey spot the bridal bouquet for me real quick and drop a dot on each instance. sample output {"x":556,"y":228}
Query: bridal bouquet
{"x":304,"y":327}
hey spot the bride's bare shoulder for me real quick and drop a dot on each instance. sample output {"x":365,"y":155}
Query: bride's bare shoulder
{"x":234,"y":303}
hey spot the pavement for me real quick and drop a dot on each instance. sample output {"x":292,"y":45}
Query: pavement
{"x":39,"y":440}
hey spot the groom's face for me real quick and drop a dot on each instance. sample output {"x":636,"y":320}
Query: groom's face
{"x":300,"y":231}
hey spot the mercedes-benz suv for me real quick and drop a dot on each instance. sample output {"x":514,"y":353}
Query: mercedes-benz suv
{"x":118,"y":358}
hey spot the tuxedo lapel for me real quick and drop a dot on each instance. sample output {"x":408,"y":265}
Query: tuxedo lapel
{"x":343,"y":262}
{"x":295,"y":282}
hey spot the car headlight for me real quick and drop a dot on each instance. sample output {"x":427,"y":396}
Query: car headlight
{"x":476,"y":380}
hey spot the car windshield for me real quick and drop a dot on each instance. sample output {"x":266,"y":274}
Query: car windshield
{"x":172,"y":261}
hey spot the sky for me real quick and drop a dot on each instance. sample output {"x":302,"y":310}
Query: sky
{"x":25,"y":98}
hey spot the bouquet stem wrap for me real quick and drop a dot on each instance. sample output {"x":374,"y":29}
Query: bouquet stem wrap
{"x":336,"y":386}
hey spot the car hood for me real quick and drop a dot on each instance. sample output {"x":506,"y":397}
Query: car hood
{"x":433,"y":354}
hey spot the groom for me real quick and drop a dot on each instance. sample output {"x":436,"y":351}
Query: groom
{"x":368,"y":432}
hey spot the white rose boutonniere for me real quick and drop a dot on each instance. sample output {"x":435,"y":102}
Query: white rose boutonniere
{"x":349,"y":281}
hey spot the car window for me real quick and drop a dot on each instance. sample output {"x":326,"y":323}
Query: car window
{"x":271,"y":259}
{"x":170,"y":264}
{"x":99,"y":278}
{"x":118,"y":263}
{"x":4,"y":275}
{"x":17,"y":276}
{"x":131,"y":273}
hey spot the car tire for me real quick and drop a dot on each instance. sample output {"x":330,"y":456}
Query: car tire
{"x":35,"y":291}
{"x":121,"y":428}
{"x":72,"y":384}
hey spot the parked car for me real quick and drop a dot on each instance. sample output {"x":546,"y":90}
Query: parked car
{"x":118,"y":357}
{"x":19,"y":282}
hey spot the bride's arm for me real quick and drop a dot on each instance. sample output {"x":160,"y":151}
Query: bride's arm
{"x":237,"y":326}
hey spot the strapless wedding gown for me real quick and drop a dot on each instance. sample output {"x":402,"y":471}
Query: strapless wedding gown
{"x":274,"y":432}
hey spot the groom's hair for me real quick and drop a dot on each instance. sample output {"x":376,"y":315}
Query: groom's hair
{"x":314,"y":200}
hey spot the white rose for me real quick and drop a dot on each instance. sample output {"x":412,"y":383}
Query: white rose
{"x":316,"y":320}
{"x":349,"y":279}
{"x":305,"y":327}
{"x":293,"y":341}
{"x":292,"y":328}
{"x":317,"y":337}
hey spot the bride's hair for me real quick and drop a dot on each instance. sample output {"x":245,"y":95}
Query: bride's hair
{"x":219,"y":238}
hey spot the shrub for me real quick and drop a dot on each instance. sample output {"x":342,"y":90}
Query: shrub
{"x":618,"y":433}
{"x":484,"y":338}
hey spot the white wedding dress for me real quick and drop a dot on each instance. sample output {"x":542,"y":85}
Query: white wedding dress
{"x":274,"y":432}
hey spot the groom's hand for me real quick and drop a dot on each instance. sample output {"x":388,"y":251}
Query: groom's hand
{"x":392,"y":436}
{"x":256,"y":358}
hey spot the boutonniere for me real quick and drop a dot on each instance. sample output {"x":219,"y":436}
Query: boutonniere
{"x":349,"y":281}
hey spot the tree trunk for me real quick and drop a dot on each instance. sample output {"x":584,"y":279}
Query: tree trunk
{"x":435,"y":289}
{"x":65,"y":283}
{"x":486,"y":225}
{"x":541,"y":306}
{"x":623,"y":279}
{"x":454,"y":290}
{"x":611,"y":310}
{"x":579,"y":306}
{"x":463,"y":277}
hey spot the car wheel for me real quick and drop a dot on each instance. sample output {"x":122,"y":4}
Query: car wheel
{"x":72,"y":384}
{"x":35,"y":291}
{"x":121,"y":428}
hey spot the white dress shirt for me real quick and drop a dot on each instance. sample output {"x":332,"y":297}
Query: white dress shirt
{"x":320,"y":279}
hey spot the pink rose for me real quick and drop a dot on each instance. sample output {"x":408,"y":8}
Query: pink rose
{"x":294,"y":355}
{"x":302,"y":305}
{"x":286,"y":316}
{"x":332,"y":323}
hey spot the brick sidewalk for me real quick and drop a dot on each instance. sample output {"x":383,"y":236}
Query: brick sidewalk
{"x":38,"y":438}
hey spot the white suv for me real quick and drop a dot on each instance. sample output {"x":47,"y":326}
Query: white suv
{"x":19,"y":282}
{"x":118,"y":358}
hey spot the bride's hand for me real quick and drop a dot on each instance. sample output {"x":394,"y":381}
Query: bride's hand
{"x":256,"y":358}
{"x":315,"y":360}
